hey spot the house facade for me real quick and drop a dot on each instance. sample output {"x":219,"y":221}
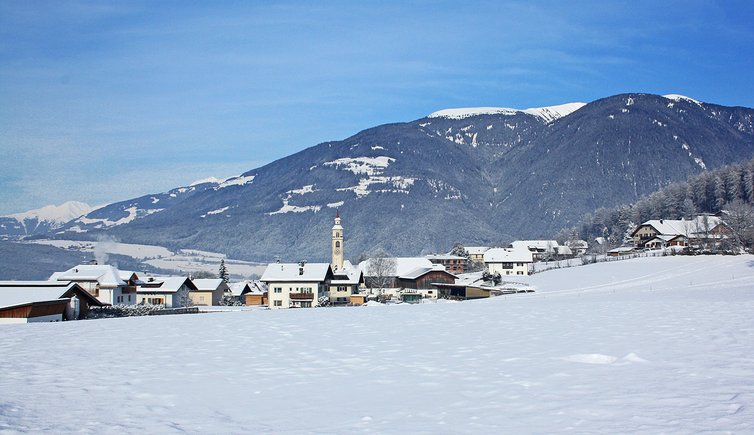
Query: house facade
{"x":452,"y":263}
{"x":172,"y":292}
{"x":296,"y":285}
{"x":209,"y":292}
{"x":505,"y":261}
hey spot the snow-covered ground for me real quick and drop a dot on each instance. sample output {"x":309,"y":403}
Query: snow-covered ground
{"x":651,"y":345}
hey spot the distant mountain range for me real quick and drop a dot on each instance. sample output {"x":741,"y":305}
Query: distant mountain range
{"x":479,"y":176}
{"x":42,"y":220}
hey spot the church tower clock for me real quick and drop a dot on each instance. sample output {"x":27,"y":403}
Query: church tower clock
{"x":337,"y":244}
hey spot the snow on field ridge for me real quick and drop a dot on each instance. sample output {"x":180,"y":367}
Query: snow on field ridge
{"x":651,"y":345}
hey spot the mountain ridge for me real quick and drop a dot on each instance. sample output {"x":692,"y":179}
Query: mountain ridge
{"x":420,"y":186}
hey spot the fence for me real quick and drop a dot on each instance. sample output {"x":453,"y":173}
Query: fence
{"x":592,"y":258}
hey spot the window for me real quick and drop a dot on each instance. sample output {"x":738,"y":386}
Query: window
{"x":201,"y":298}
{"x":278,"y":303}
{"x":342,"y":288}
{"x":337,"y":244}
{"x":278,"y":290}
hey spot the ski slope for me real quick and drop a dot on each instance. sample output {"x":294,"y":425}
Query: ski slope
{"x":648,"y":345}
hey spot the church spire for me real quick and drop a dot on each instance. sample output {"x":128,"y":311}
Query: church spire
{"x":337,"y":243}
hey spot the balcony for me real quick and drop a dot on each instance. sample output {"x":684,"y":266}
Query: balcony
{"x":302,"y":296}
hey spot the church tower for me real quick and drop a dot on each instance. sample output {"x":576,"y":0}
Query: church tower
{"x":337,"y":244}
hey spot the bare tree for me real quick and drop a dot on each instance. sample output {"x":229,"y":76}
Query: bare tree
{"x":381,"y":271}
{"x":739,"y":219}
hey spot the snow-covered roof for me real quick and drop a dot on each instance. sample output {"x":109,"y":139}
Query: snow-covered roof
{"x":12,"y":294}
{"x":210,"y":284}
{"x":477,"y":250}
{"x":167,"y":285}
{"x":683,"y":227}
{"x":505,"y":255}
{"x":421,"y":271}
{"x":348,"y":275}
{"x":240,"y":288}
{"x":403,"y":265}
{"x":293,"y":272}
{"x":540,"y":245}
{"x":547,"y":114}
{"x":105,"y":275}
{"x":444,"y":257}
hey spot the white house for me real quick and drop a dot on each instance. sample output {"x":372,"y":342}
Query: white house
{"x":299,"y":285}
{"x":101,"y":281}
{"x":508,"y":261}
{"x":172,"y":292}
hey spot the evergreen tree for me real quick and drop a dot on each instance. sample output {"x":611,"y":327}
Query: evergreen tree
{"x":223,"y":272}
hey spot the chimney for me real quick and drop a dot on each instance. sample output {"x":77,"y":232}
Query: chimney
{"x":301,"y":267}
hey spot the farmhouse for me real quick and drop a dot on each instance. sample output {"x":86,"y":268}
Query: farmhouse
{"x":476,"y":253}
{"x":662,"y":233}
{"x":345,"y":283}
{"x":101,"y":281}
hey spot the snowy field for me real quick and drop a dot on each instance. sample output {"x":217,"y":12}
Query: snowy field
{"x":651,"y":345}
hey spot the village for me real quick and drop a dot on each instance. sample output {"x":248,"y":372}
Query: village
{"x":473,"y":272}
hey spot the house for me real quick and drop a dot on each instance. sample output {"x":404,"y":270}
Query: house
{"x":209,"y":292}
{"x":399,"y":266}
{"x":452,"y":263}
{"x":424,"y":277}
{"x":172,"y":292}
{"x":101,"y":281}
{"x":578,"y":247}
{"x":476,"y":253}
{"x":249,"y":292}
{"x":665,"y":232}
{"x":299,"y":285}
{"x":345,"y":283}
{"x":509,"y":261}
{"x":43,"y":301}
{"x":541,"y":249}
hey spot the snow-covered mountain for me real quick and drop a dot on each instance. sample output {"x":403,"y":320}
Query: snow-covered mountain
{"x":473,"y":175}
{"x":42,"y":220}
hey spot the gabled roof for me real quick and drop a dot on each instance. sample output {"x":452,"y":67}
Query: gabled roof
{"x":683,"y":227}
{"x":240,"y":288}
{"x":293,"y":272}
{"x":403,"y":265}
{"x":540,"y":245}
{"x":421,"y":271}
{"x":166,"y":285}
{"x":105,"y":275}
{"x":348,"y":275}
{"x":11,"y":295}
{"x":211,"y":284}
{"x":505,"y":255}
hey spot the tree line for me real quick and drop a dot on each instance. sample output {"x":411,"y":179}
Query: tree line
{"x":729,"y":189}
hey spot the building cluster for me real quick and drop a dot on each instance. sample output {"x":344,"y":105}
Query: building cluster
{"x":68,"y":295}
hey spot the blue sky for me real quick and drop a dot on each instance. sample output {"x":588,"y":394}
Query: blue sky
{"x":103,"y":101}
